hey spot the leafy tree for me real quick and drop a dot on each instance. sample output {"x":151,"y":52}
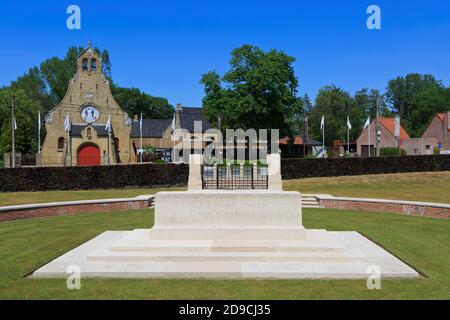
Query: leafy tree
{"x":366,"y":101}
{"x":336,"y":104}
{"x":26,"y":112}
{"x":258,"y":91}
{"x":425,"y":105}
{"x":34,"y":86}
{"x":414,"y":98}
{"x":135,"y":102}
{"x":57,"y":72}
{"x":307,"y":105}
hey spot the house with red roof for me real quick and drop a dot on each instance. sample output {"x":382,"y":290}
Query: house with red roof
{"x":439,"y":128}
{"x":418,"y":146}
{"x":301,"y":147}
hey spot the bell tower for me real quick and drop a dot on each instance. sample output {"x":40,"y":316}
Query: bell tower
{"x":89,"y":61}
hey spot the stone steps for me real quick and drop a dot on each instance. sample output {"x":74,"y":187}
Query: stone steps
{"x":310,"y":201}
{"x":349,"y":256}
{"x":125,"y":245}
{"x":217,"y":257}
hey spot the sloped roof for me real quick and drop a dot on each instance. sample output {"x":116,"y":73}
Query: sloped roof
{"x":89,"y":49}
{"x":76,"y":129}
{"x":299,"y":141}
{"x":441,"y":116}
{"x":151,"y":128}
{"x":189,"y":115}
{"x":389,"y":124}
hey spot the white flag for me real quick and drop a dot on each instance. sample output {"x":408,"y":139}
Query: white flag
{"x":349,"y":125}
{"x":173,"y":123}
{"x":367,"y":124}
{"x":39,"y":120}
{"x":140,"y":124}
{"x":15,"y":123}
{"x":322,"y":122}
{"x":67,"y":124}
{"x":108,"y":125}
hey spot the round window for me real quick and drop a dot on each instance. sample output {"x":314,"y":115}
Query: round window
{"x":89,"y":114}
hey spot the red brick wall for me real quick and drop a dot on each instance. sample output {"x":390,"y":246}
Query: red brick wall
{"x":415,"y":210}
{"x":72,"y":209}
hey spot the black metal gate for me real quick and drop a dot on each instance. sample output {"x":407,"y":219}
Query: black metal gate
{"x":234,"y":177}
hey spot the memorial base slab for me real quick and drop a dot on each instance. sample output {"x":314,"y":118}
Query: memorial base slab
{"x":228,"y":234}
{"x":322,"y":254}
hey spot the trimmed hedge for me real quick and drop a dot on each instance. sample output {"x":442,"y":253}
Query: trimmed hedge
{"x":86,"y":178}
{"x":333,"y":167}
{"x":150,"y":175}
{"x":392,"y":151}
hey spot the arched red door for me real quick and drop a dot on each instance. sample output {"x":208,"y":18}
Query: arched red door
{"x":89,"y":155}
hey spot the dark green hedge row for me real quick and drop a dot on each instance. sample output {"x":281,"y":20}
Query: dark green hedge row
{"x":149,"y":175}
{"x":333,"y":167}
{"x":85,"y":178}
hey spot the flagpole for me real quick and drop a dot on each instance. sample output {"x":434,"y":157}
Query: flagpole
{"x":348,"y":140}
{"x":67,"y":127}
{"x":174,"y":125}
{"x":140,"y":126}
{"x":13,"y":129}
{"x":369,"y":139}
{"x":109,"y":146}
{"x":39,"y":132}
{"x":323,"y":138}
{"x":69,"y":146}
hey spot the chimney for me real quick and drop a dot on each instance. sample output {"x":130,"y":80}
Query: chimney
{"x":179,"y":107}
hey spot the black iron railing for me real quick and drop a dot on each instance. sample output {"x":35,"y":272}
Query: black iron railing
{"x":234,"y":177}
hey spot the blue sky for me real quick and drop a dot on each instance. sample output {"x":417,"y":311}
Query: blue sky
{"x":163,"y":47}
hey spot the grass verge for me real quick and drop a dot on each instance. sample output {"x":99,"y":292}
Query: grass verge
{"x":421,"y":242}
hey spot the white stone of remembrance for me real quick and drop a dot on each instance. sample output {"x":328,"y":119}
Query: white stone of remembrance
{"x":220,"y":214}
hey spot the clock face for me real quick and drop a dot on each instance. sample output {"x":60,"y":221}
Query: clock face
{"x":89,"y":114}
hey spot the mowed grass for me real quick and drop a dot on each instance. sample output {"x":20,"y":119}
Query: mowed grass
{"x":12,"y":198}
{"x":421,"y":242}
{"x":424,"y":186}
{"x":420,"y":186}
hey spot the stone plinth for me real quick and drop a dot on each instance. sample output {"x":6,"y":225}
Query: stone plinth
{"x":220,"y":214}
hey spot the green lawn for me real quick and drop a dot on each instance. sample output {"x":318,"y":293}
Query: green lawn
{"x":11,"y":198}
{"x":422,"y":242}
{"x":425,"y":186}
{"x":421,"y":186}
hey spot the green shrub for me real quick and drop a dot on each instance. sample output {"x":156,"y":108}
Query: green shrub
{"x":392,"y":151}
{"x":335,"y":167}
{"x":149,"y":149}
{"x":436,"y":151}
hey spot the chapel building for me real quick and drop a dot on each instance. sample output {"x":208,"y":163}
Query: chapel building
{"x":77,"y":130}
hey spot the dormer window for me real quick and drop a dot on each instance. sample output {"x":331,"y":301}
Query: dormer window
{"x":93,"y":64}
{"x":84,"y":64}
